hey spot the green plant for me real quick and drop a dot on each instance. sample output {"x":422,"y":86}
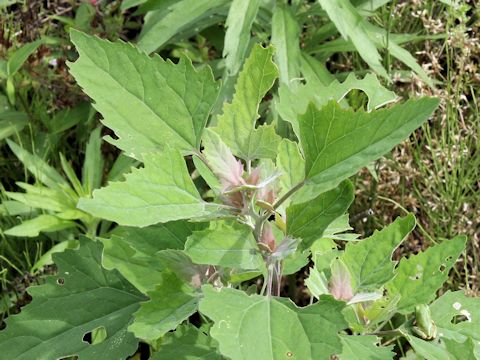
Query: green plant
{"x":271,"y":204}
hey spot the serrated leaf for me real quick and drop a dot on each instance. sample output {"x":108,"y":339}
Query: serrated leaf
{"x":294,"y":101}
{"x":172,"y":302}
{"x":420,"y":276}
{"x":236,"y":126}
{"x":353,"y":27}
{"x":286,"y":40}
{"x":239,"y":22}
{"x":259,"y":327}
{"x":162,"y":191}
{"x":370,"y":260}
{"x":187,"y":343}
{"x":309,"y":220}
{"x":41,"y":223}
{"x":365,"y":347}
{"x":337,"y":143}
{"x":161,"y":26}
{"x":224,"y":245}
{"x":81,"y":298}
{"x":127,"y":87}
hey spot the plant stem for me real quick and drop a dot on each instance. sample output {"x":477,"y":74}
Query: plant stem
{"x":288,"y":194}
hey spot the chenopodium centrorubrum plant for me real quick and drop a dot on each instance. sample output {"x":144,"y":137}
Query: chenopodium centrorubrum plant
{"x":268,"y":206}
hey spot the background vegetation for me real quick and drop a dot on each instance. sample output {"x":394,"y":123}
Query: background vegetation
{"x":434,"y":175}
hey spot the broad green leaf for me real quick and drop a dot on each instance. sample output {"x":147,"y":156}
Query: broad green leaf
{"x":286,"y":41}
{"x":291,"y":164}
{"x":365,"y":347}
{"x":429,"y":350}
{"x":122,"y":165}
{"x":92,"y":169}
{"x":81,"y":298}
{"x":38,"y":168}
{"x":294,"y":101}
{"x":162,"y":191}
{"x":224,"y":245}
{"x":147,"y":101}
{"x":239,"y":22}
{"x":370,"y":260}
{"x":138,"y":253}
{"x":259,"y":327}
{"x":172,"y":302}
{"x":337,"y":143}
{"x":164,"y":24}
{"x":21,"y":55}
{"x":12,"y":122}
{"x":354,"y":28}
{"x":42,"y":223}
{"x":187,"y":343}
{"x":420,"y":276}
{"x":452,"y":306}
{"x":309,"y":220}
{"x":236,"y":126}
{"x":127,"y":4}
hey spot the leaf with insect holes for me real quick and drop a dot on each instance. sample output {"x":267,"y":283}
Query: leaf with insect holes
{"x":294,"y":101}
{"x":309,"y":220}
{"x":172,"y":302}
{"x":420,"y":276}
{"x":370,"y":260}
{"x":223,"y":245}
{"x":236,"y":126}
{"x":457,"y":317}
{"x":260,"y":327}
{"x":146,"y":101}
{"x":365,"y":347}
{"x":162,"y":191}
{"x":337,"y":142}
{"x":187,"y":343}
{"x":81,"y":298}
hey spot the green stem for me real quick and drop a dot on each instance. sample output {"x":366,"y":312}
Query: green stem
{"x":288,"y":194}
